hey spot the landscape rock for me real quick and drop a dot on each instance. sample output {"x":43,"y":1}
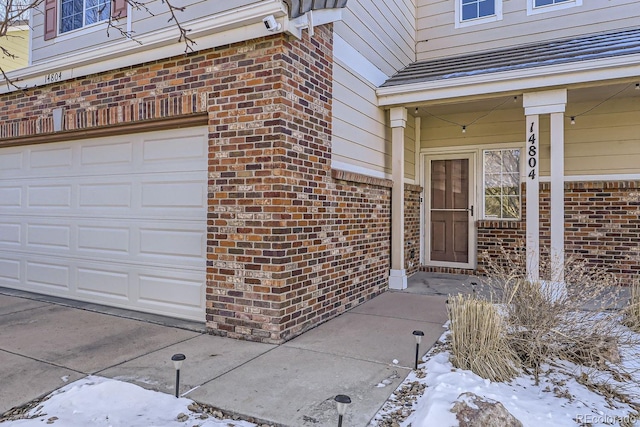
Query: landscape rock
{"x":474,"y":411}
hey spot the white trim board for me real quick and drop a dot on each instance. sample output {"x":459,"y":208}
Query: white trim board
{"x":348,"y":167}
{"x":357,"y":62}
{"x":592,"y":178}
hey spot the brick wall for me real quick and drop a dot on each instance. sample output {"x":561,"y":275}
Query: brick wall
{"x":412,"y":218}
{"x":602,"y":226}
{"x":290,"y":243}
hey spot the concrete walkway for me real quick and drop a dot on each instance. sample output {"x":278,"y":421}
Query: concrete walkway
{"x":47,"y":342}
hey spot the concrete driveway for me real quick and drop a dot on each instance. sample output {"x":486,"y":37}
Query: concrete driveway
{"x":47,"y":342}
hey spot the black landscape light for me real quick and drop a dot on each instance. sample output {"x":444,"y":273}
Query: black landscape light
{"x":177,"y":360}
{"x":342,"y":401}
{"x":418,"y":335}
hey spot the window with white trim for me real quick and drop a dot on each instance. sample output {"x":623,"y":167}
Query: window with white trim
{"x":76,"y":14}
{"x":62,"y":16}
{"x":541,"y":6}
{"x":472,"y":12}
{"x":501,"y":184}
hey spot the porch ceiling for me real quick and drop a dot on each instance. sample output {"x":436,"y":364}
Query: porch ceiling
{"x":577,"y":49}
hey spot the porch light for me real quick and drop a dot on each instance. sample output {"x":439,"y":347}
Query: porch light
{"x":464,"y":129}
{"x":573,"y":120}
{"x":177,"y":360}
{"x":418,"y":336}
{"x":342,"y":401}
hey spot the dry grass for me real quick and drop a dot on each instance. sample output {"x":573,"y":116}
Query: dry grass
{"x":478,"y":339}
{"x":539,"y":322}
{"x":631,"y":314}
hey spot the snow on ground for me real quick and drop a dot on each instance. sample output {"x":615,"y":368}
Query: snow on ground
{"x":103,"y":402}
{"x":559,"y":400}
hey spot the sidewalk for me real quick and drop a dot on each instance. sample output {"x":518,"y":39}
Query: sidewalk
{"x":44,"y":345}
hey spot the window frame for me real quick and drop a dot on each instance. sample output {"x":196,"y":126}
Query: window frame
{"x":84,"y":17}
{"x":460,"y":23}
{"x":483,"y":171}
{"x":532,"y":9}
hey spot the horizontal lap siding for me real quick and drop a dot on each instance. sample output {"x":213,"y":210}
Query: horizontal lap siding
{"x":437,"y":36}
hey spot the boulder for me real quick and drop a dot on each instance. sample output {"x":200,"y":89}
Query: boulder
{"x":474,"y":411}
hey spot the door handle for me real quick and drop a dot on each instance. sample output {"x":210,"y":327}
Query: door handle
{"x":471,"y":210}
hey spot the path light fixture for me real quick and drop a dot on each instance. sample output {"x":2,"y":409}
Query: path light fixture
{"x":342,"y":401}
{"x":177,"y":360}
{"x":418,"y":335}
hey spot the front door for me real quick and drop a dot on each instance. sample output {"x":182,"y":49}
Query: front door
{"x":450,"y":211}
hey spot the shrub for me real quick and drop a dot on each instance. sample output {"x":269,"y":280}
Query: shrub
{"x":539,"y":322}
{"x":478,"y":339}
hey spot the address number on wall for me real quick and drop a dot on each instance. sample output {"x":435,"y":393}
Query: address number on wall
{"x":532,"y":150}
{"x":53,"y":77}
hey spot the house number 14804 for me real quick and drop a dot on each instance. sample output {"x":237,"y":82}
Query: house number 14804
{"x":53,"y":77}
{"x":532,"y":151}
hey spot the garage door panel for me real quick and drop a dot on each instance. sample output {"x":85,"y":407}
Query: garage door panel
{"x":11,"y":197}
{"x":104,"y":283}
{"x":55,"y":158}
{"x":49,"y":196}
{"x":11,"y":161}
{"x":178,"y":194}
{"x":47,"y":235}
{"x":107,"y":195}
{"x":118,"y":220}
{"x":48,"y":274}
{"x":163,"y":149}
{"x":107,"y":154}
{"x":174,"y":243}
{"x":104,"y":239}
{"x":163,"y":290}
{"x":10,"y":271}
{"x":10,"y":233}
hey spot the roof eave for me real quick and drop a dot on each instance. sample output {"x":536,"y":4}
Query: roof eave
{"x":573,"y":73}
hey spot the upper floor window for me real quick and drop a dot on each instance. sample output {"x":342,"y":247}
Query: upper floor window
{"x":501,"y":183}
{"x":79,"y":13}
{"x":471,"y":12}
{"x":541,"y":6}
{"x":472,"y":9}
{"x":61,"y":16}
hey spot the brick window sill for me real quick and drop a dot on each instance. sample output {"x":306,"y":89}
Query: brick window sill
{"x":498,"y":224}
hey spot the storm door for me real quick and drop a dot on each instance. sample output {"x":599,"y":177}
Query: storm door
{"x":450,"y":211}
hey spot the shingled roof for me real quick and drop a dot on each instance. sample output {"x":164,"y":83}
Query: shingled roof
{"x":595,"y":46}
{"x":300,"y":7}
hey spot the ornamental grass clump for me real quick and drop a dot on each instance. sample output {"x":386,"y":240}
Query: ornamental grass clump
{"x":631,"y":314}
{"x":528,"y":325}
{"x":478,"y":339}
{"x":574,"y":319}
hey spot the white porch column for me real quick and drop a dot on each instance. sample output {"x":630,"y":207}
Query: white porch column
{"x":551,"y":102}
{"x":397,"y":274}
{"x":557,"y":196}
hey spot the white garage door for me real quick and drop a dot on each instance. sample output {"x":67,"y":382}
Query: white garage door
{"x":118,"y":220}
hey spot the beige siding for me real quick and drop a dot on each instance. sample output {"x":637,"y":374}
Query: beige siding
{"x":361,"y":136}
{"x":437,"y":36}
{"x":383,"y":31}
{"x":605,"y":141}
{"x":16,"y":42}
{"x":410,"y":148}
{"x":143,"y":22}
